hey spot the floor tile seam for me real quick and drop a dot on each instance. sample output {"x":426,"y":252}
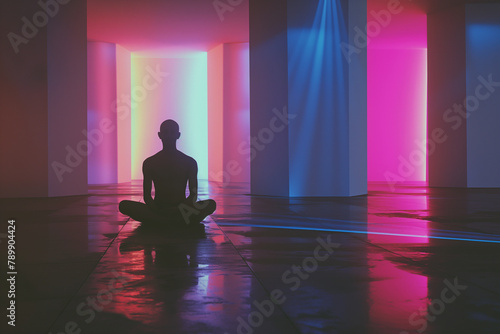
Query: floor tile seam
{"x":75,"y":294}
{"x":254,"y":274}
{"x":324,"y":223}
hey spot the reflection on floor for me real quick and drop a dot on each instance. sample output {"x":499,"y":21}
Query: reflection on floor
{"x":414,"y":260}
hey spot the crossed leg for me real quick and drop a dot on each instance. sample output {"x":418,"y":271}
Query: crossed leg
{"x":178,"y":217}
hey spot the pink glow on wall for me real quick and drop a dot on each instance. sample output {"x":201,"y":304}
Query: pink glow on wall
{"x":397,"y":93}
{"x":109,"y":113}
{"x":397,"y":114}
{"x":215,"y":113}
{"x":101,"y":116}
{"x":123,"y":114}
{"x":229,"y":113}
{"x":402,"y":24}
{"x":237,"y":110}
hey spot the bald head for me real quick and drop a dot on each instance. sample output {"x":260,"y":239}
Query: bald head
{"x":169,"y":131}
{"x":169,"y":126}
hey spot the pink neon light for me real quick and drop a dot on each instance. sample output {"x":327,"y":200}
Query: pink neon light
{"x":397,"y":93}
{"x":397,"y":98}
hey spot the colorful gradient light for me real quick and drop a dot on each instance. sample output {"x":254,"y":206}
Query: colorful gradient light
{"x":180,"y":93}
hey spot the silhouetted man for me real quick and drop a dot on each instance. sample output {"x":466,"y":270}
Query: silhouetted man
{"x":170,"y":170}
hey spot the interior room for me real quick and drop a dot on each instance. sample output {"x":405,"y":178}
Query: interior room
{"x":350,"y":146}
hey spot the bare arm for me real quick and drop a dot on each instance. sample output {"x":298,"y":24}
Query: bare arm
{"x":147,"y":184}
{"x":193,"y":183}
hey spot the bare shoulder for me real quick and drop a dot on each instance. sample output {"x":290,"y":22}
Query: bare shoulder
{"x":188,"y":161}
{"x":149,"y":162}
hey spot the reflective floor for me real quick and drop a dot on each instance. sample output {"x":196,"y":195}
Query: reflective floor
{"x":414,"y":260}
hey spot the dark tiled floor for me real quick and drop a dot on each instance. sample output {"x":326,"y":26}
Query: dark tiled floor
{"x":416,"y":260}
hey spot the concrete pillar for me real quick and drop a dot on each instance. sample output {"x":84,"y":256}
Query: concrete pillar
{"x":67,"y":96}
{"x":447,"y":154}
{"x":483,"y":95}
{"x":228,"y":110}
{"x":463,"y":119}
{"x":215,"y":87}
{"x":102,"y":158}
{"x":314,"y":144}
{"x":269,"y":172}
{"x":123,"y":114}
{"x":109,"y":113}
{"x":44,"y":79}
{"x":23,"y":82}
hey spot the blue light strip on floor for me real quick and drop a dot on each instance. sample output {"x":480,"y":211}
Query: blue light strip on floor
{"x":359,"y":232}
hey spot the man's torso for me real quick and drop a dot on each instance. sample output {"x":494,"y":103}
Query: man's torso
{"x":170,"y":172}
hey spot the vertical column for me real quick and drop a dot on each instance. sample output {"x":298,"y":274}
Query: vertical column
{"x":228,"y":109}
{"x":44,"y":77}
{"x":215,"y":88}
{"x":464,"y":84}
{"x":324,"y":153}
{"x":236,"y":112}
{"x":123,"y":114}
{"x":23,"y":91}
{"x":101,"y":124}
{"x":67,"y":98}
{"x":327,"y":98}
{"x":483,"y":95}
{"x":446,"y":129}
{"x":357,"y":77}
{"x":109,"y":112}
{"x":268,"y":97}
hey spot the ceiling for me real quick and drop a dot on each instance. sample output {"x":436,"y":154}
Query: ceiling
{"x":166,"y":26}
{"x":428,"y":6}
{"x":159,"y":27}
